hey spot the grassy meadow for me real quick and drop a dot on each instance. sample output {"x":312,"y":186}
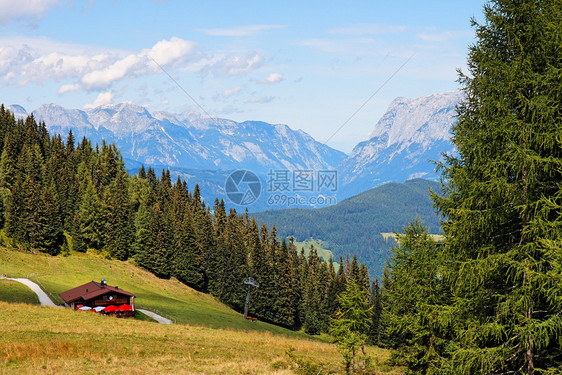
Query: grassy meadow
{"x":388,"y":235}
{"x":318,"y":245}
{"x":209,"y":338}
{"x":58,"y":341}
{"x":169,"y":298}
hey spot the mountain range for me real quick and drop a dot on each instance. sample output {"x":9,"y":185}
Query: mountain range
{"x":190,"y":140}
{"x":204,"y":150}
{"x":408,"y":137}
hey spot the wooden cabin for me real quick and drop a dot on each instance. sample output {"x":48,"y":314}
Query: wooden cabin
{"x":100,"y":294}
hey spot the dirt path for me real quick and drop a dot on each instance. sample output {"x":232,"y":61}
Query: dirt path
{"x":158,"y":318}
{"x":44,"y":299}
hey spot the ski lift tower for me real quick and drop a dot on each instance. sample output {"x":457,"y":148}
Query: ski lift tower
{"x":250,"y":282}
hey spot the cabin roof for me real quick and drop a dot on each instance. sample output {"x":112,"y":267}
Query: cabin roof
{"x":90,"y":290}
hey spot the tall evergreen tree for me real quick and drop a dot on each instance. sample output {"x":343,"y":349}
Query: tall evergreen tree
{"x":377,"y":306}
{"x":9,"y":161}
{"x":48,"y":235}
{"x":415,"y":301}
{"x":92,"y":226}
{"x":503,"y":195}
{"x":118,"y":218}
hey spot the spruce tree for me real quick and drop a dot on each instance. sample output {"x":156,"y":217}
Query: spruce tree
{"x":119,"y":234}
{"x":503,"y":195}
{"x":92,"y":226}
{"x":377,"y":306}
{"x":47,"y":235}
{"x":416,"y":299}
{"x":286,"y":286}
{"x":9,"y":162}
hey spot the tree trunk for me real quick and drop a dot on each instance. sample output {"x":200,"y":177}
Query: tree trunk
{"x":529,"y":354}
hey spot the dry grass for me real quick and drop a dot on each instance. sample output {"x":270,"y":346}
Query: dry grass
{"x":56,"y":341}
{"x":212,"y":338}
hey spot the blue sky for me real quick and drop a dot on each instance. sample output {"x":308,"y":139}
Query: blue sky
{"x":308,"y":64}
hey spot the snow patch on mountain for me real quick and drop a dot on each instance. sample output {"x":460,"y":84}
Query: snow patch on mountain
{"x":190,"y":139}
{"x":408,"y":136}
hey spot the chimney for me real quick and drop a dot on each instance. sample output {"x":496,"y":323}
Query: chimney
{"x":103,"y":282}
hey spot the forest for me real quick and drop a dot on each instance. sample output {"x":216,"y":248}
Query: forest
{"x":354,"y":225}
{"x":488,"y":298}
{"x":60,"y":196}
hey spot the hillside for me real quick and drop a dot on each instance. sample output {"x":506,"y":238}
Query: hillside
{"x":167,"y":297}
{"x":60,"y":197}
{"x":209,"y":338}
{"x":354,"y":225}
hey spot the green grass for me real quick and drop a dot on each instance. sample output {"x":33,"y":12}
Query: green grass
{"x":318,"y":245}
{"x":213,"y":339}
{"x":169,"y":298}
{"x":47,"y":340}
{"x":12,"y":291}
{"x":435,"y":237}
{"x":140,"y":316}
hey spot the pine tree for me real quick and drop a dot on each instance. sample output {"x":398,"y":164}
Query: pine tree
{"x":351,"y":325}
{"x":47,"y":235}
{"x":415,"y":299}
{"x":377,"y":306}
{"x":313,"y":295}
{"x":119,"y":234}
{"x":188,"y":260}
{"x":160,"y":244}
{"x":90,"y":216}
{"x":70,"y":142}
{"x":140,"y":248}
{"x":503,"y":198}
{"x":9,"y":161}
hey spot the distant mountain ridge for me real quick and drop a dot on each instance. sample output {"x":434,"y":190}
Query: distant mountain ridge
{"x":204,"y":150}
{"x":190,"y":140}
{"x":408,"y":136}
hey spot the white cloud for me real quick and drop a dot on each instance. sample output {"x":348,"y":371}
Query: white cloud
{"x":28,"y":11}
{"x":232,"y":91}
{"x":78,"y":67}
{"x":68,"y":88}
{"x":239,"y":30}
{"x":102,"y":99}
{"x":165,"y":52}
{"x":368,"y":29}
{"x":103,"y":78}
{"x":232,"y":65}
{"x":261,"y":99}
{"x":23,"y":64}
{"x":169,"y":51}
{"x":271,"y":79}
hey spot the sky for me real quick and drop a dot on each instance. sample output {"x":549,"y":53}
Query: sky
{"x":330,"y":68}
